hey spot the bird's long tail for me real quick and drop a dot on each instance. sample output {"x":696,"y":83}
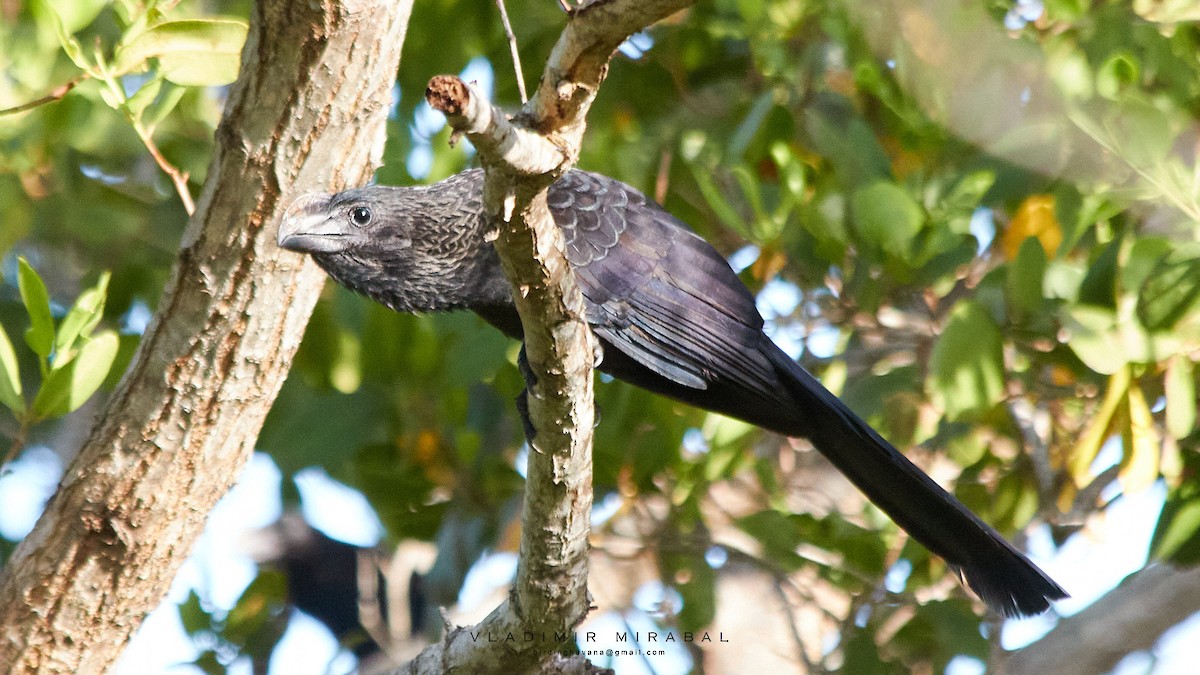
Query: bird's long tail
{"x":1002,"y":576}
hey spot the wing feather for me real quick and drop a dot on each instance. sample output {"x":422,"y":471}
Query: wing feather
{"x":663,"y":296}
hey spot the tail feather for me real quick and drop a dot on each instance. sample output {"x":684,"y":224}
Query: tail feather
{"x":1000,"y":574}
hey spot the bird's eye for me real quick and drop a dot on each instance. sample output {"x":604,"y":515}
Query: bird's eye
{"x":360,"y":215}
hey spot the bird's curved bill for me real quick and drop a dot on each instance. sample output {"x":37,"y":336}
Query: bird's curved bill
{"x":308,"y":226}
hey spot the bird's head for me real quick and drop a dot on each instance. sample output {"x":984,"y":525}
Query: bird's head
{"x":410,"y":248}
{"x":346,"y":223}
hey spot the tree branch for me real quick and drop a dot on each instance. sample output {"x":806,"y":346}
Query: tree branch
{"x":178,"y":178}
{"x":512,"y":48}
{"x":1131,"y":617}
{"x":468,"y":112}
{"x":303,"y":115}
{"x":55,"y":94}
{"x":521,"y":158}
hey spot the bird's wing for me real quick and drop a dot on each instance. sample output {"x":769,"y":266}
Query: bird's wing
{"x":655,"y":290}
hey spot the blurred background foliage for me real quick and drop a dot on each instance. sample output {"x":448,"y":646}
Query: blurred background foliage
{"x":975,"y":221}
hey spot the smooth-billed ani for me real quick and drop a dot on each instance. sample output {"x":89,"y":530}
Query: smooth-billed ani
{"x":671,"y":316}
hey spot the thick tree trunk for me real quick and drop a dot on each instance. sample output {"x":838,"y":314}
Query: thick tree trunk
{"x":308,"y":112}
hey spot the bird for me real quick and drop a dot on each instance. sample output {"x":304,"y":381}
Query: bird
{"x":670,"y":315}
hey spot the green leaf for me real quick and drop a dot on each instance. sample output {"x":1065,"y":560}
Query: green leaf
{"x":192,"y":615}
{"x":749,"y":183}
{"x":69,"y":386}
{"x":1073,"y":215}
{"x":841,"y":136}
{"x":1093,"y":336}
{"x":1177,"y":535}
{"x":80,"y":321}
{"x":264,"y":599}
{"x":861,"y":655}
{"x":1142,"y":132}
{"x":10,"y":376}
{"x":725,"y":431}
{"x":696,"y":582}
{"x":968,"y":192}
{"x":1063,"y":279}
{"x":1099,"y":287}
{"x":70,"y":45}
{"x":717,"y":201}
{"x":886,"y":216}
{"x":112,"y":98}
{"x":1071,"y":72}
{"x":18,"y":212}
{"x":1025,"y":276}
{"x":740,"y":139}
{"x":209,"y":663}
{"x":941,"y":629}
{"x":779,"y":534}
{"x":1180,"y":387}
{"x":144,"y":96}
{"x":1171,"y":291}
{"x":78,"y":14}
{"x":129,"y":11}
{"x":40,"y":336}
{"x":1144,"y":256}
{"x":967,"y":364}
{"x":171,"y":95}
{"x":1119,"y":72}
{"x":402,"y":494}
{"x":791,"y":170}
{"x":190,"y":53}
{"x":1066,"y":11}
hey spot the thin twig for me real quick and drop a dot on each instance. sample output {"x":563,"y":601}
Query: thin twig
{"x":179,"y":178}
{"x":793,"y":629}
{"x":512,"y":47}
{"x":663,"y":178}
{"x":55,"y":94}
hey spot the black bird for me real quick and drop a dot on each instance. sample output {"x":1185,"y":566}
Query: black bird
{"x":671,"y":317}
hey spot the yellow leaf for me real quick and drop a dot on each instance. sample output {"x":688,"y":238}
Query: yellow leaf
{"x":1139,"y":468}
{"x":1066,"y":497}
{"x":1035,"y":218}
{"x":1061,"y":376}
{"x":1100,"y":428}
{"x":768,"y":264}
{"x":1171,"y":464}
{"x":427,"y":449}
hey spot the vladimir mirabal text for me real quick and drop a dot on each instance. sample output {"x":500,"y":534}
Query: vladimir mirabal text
{"x":636,"y":637}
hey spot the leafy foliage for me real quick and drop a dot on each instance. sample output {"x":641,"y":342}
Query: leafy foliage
{"x":993,"y":219}
{"x":250,"y":629}
{"x":73,"y":359}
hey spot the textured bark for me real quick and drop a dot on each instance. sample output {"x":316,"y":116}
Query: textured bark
{"x":307,"y":112}
{"x":1130,"y":618}
{"x":521,"y":157}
